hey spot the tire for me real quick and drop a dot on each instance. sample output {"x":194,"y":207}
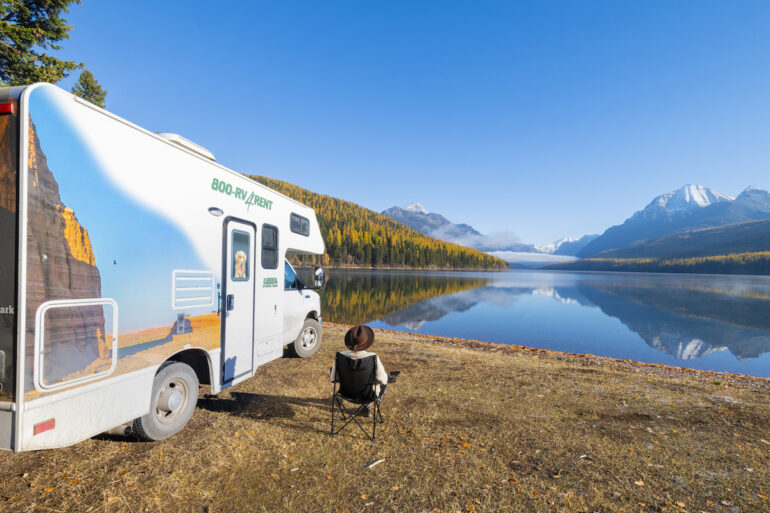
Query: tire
{"x":174,"y":395}
{"x":308,"y":341}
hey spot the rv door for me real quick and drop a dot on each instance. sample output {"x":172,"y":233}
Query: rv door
{"x":238,"y":304}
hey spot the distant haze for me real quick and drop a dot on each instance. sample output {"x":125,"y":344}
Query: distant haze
{"x":681,"y":213}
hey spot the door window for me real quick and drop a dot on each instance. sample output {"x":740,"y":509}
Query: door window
{"x":241,"y":256}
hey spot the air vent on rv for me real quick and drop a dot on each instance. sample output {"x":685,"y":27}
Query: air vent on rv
{"x":188,"y":145}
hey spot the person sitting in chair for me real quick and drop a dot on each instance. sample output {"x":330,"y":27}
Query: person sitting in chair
{"x":358,"y":339}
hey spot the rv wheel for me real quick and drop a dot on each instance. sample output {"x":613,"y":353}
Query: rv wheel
{"x":174,"y":394}
{"x":309,"y":340}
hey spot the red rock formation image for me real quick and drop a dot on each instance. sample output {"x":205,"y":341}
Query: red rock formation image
{"x":9,"y":141}
{"x":60,"y":265}
{"x":9,"y":154}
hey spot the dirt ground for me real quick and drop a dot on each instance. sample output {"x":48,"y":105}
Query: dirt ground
{"x":469,"y":427}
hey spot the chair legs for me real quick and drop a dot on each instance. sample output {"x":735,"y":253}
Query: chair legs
{"x":334,"y":415}
{"x":348,"y":415}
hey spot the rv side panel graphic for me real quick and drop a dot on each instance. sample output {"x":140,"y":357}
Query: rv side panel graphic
{"x":135,"y":252}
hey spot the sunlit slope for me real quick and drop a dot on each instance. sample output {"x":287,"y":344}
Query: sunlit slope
{"x":355,"y":235}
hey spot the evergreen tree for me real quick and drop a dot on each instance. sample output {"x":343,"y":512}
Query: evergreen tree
{"x":28,"y":28}
{"x":89,"y":89}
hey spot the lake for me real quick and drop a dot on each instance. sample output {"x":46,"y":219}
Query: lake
{"x":708,"y":322}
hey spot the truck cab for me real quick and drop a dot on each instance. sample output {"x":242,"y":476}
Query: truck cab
{"x":302,"y":312}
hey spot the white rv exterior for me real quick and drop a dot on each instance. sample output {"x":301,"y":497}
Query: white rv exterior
{"x":132,"y":268}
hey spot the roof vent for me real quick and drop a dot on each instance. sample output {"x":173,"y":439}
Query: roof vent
{"x":188,"y":145}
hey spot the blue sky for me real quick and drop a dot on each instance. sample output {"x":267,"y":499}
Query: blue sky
{"x":548,"y":119}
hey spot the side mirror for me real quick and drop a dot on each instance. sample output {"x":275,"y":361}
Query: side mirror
{"x":319,"y":278}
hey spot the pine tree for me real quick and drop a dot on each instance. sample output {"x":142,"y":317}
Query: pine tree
{"x":27,"y":29}
{"x":89,"y":89}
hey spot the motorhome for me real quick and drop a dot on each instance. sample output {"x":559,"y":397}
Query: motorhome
{"x":133,"y":268}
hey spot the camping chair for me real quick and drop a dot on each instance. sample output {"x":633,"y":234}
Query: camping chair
{"x":355,"y":378}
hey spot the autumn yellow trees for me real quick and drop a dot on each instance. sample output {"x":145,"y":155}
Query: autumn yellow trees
{"x":358,"y":236}
{"x":756,"y":262}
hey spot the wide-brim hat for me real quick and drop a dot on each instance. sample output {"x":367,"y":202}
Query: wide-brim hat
{"x":359,"y":338}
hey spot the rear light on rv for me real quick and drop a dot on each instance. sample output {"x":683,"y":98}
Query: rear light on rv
{"x":7,"y":108}
{"x":44,"y":426}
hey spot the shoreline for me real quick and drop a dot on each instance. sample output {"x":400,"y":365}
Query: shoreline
{"x":560,"y":355}
{"x":469,"y":426}
{"x":755,"y":263}
{"x":547,"y":268}
{"x":416,"y":269}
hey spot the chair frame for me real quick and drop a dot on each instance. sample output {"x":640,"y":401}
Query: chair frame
{"x":348,"y":415}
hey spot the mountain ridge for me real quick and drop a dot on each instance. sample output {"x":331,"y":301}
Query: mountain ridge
{"x":688,"y":208}
{"x":416,"y":217}
{"x":355,"y":235}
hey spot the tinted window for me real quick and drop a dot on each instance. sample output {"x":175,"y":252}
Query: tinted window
{"x":289,"y":277}
{"x":241,"y":256}
{"x":300,"y":225}
{"x":269,"y":247}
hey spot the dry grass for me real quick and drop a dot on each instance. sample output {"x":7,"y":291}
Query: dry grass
{"x":469,"y":427}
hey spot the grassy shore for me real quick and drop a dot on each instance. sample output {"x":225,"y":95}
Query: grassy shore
{"x":470,"y":427}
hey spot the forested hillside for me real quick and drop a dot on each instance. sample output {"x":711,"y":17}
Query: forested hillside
{"x":358,"y":236}
{"x":735,"y":263}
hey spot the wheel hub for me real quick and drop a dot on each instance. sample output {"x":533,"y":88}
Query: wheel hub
{"x":170,"y":399}
{"x":175,"y":401}
{"x":308,"y":338}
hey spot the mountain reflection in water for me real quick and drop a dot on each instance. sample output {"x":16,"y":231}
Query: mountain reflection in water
{"x":710,"y":322}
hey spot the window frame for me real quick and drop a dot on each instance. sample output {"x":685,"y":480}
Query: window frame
{"x":304,"y":225}
{"x":38,"y":363}
{"x":232,"y":255}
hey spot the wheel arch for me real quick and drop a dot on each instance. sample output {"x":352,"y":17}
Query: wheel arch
{"x":199,"y":360}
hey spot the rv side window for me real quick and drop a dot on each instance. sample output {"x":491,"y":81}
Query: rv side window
{"x":241,"y":257}
{"x":300,"y":225}
{"x":269,"y":247}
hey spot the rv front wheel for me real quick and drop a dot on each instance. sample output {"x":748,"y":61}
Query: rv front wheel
{"x":309,"y":340}
{"x":174,"y":395}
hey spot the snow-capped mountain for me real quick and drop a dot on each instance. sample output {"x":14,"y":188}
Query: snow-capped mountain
{"x":416,"y":208}
{"x":754,"y":196}
{"x":416,"y":217}
{"x":689,"y":208}
{"x":689,"y":197}
{"x":684,"y":200}
{"x":568,"y":246}
{"x":553,"y":246}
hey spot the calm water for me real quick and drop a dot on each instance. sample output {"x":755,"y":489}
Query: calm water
{"x":700,"y":321}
